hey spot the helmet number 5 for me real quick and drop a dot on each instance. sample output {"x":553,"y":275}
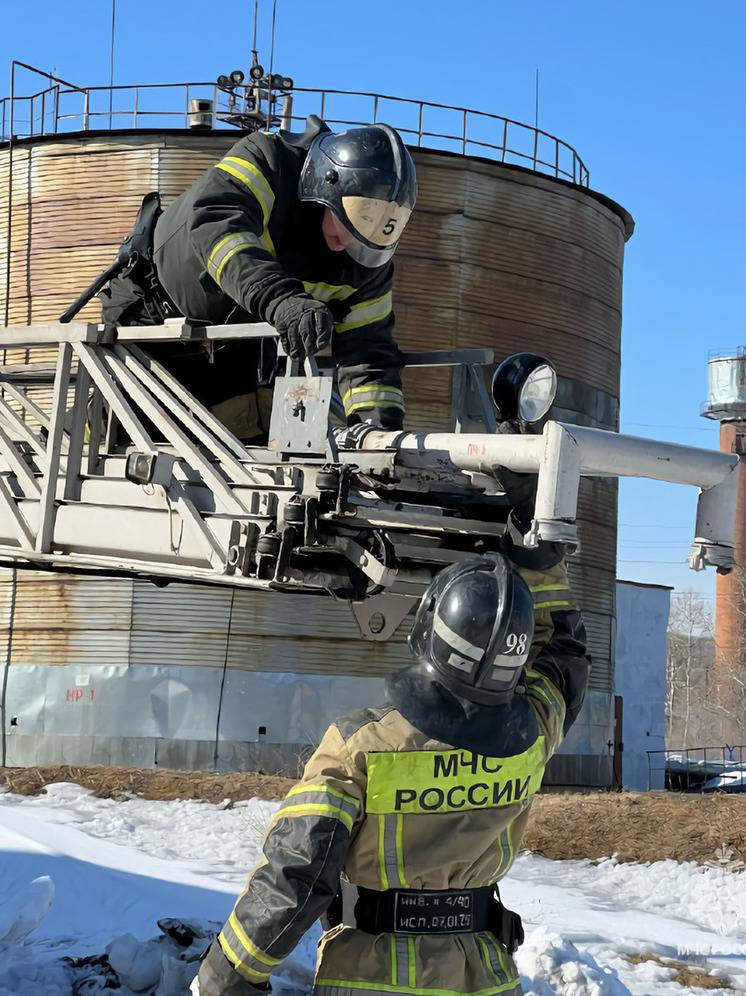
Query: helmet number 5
{"x":516,"y":643}
{"x":389,"y":227}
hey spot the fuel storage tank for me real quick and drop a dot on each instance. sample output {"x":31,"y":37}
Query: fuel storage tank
{"x":509,"y":248}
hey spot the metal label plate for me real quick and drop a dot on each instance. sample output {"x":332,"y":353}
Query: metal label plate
{"x":300,"y":414}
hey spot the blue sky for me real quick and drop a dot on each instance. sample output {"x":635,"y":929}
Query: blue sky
{"x":651,"y":95}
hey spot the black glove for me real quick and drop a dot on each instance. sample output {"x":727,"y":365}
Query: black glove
{"x":305,"y":326}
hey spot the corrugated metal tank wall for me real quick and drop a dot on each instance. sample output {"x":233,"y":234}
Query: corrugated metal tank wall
{"x":494,"y":256}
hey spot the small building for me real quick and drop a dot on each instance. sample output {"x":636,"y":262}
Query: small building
{"x":640,"y":679}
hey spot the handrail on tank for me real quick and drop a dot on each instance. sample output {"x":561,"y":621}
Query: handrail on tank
{"x":562,"y":160}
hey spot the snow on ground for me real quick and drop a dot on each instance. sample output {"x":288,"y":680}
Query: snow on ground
{"x":77,"y":873}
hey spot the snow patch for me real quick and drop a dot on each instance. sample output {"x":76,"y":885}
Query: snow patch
{"x":17,"y":921}
{"x":550,"y":965}
{"x":80,"y":876}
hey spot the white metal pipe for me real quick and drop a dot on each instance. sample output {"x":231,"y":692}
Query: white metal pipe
{"x":468,"y":450}
{"x":601,"y":453}
{"x":614,"y":455}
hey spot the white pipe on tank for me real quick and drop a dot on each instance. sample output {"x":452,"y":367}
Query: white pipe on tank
{"x":565,"y":453}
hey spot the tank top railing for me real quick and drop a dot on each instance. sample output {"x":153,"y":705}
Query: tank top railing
{"x":61,"y":109}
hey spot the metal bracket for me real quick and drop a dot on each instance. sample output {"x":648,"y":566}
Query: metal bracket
{"x":300,"y":414}
{"x":377,"y":572}
{"x":381,"y":615}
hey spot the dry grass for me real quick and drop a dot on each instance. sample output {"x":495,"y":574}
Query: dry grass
{"x":646,"y":826}
{"x":685,"y":975}
{"x":638,"y":826}
{"x":117,"y":783}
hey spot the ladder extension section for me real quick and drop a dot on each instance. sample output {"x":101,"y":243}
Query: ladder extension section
{"x":129,"y":472}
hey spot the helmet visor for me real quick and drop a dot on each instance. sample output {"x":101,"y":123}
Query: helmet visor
{"x":370,"y":229}
{"x":378,"y":222}
{"x":362,"y":252}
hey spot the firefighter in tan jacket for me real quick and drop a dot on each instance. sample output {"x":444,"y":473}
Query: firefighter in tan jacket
{"x":418,"y":808}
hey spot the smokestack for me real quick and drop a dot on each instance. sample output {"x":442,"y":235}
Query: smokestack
{"x":726,"y":403}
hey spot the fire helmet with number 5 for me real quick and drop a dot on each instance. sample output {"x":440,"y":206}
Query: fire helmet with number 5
{"x":474,"y":627}
{"x":367,"y":179}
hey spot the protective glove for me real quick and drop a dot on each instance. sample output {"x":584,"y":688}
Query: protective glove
{"x":305,"y":326}
{"x":194,"y":988}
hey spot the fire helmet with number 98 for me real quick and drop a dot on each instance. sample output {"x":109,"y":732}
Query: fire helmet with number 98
{"x":367,"y":178}
{"x":474,"y":628}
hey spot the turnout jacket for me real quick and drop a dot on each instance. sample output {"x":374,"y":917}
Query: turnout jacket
{"x":425,"y":792}
{"x":239,"y":241}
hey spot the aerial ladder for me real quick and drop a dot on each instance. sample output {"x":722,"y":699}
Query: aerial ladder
{"x":129,"y":473}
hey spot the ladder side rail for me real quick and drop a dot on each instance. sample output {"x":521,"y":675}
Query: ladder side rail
{"x":188,"y":511}
{"x":18,"y":465}
{"x":13,"y":421}
{"x":116,"y":401}
{"x":196,"y":407}
{"x":24,"y":532}
{"x":47,"y":504}
{"x":227,"y":460}
{"x":95,"y":434}
{"x":29,"y":406}
{"x":77,"y":435}
{"x":185,"y":448}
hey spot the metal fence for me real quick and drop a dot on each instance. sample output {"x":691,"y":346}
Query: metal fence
{"x":61,"y":107}
{"x":695,"y":769}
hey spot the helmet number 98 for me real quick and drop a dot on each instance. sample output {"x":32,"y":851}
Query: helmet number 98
{"x":516,"y":643}
{"x":389,"y":227}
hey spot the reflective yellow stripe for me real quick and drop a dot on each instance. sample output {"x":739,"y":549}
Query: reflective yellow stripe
{"x":231,"y":253}
{"x":371,"y":389}
{"x":366,"y":313}
{"x":365,"y":405}
{"x":372,"y":396}
{"x":392,"y":945}
{"x":253,"y":178}
{"x":328,"y":292}
{"x":495,"y":958}
{"x":227,"y":247}
{"x":549,"y":587}
{"x":487,"y":958}
{"x":311,"y":808}
{"x":253,"y":950}
{"x":382,"y":853}
{"x":451,"y":781}
{"x":554,"y":605}
{"x":412,"y":963}
{"x":400,"y":850}
{"x":251,"y":974}
{"x":298,"y":789}
{"x":327,"y":987}
{"x":536,"y":677}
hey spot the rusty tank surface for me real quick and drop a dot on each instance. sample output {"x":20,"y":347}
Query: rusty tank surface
{"x":509,"y":248}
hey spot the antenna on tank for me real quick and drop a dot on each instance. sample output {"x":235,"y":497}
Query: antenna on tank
{"x":271,"y":65}
{"x":254,"y":50}
{"x":536,"y":99}
{"x":111,"y":59}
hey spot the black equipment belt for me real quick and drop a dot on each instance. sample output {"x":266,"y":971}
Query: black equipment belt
{"x":135,"y":260}
{"x":415,"y":911}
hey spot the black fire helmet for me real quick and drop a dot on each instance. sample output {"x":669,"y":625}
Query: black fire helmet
{"x":474,"y":628}
{"x":367,"y":178}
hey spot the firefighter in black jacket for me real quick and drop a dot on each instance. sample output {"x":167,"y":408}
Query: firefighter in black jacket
{"x":294,"y":230}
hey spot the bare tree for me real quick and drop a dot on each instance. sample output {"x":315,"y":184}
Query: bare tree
{"x":690,"y":658}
